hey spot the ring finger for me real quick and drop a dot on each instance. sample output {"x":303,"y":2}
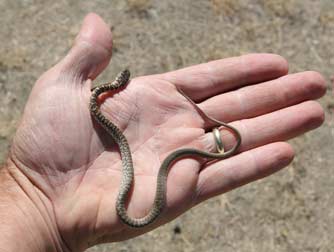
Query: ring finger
{"x":280,"y":125}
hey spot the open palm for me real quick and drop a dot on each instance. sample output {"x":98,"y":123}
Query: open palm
{"x":76,"y":168}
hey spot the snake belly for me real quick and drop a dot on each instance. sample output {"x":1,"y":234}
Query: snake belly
{"x":127,"y":163}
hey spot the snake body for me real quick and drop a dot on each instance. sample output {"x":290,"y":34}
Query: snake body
{"x":128,"y":171}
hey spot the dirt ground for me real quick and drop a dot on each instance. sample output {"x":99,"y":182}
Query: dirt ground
{"x":292,"y":210}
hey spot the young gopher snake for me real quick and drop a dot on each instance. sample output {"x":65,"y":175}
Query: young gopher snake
{"x":128,"y":172}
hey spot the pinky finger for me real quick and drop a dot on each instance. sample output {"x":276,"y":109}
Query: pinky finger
{"x":241,"y":169}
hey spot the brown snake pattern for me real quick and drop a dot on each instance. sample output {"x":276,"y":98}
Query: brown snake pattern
{"x":128,"y":171}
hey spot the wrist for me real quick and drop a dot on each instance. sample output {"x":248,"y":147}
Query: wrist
{"x":26,"y":217}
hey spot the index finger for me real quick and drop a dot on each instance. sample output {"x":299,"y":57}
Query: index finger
{"x":205,"y":80}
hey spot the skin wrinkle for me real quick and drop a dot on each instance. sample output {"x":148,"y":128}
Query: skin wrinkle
{"x":161,"y":122}
{"x":240,"y":125}
{"x":67,"y":246}
{"x":27,"y":194}
{"x":97,"y":216}
{"x":202,"y":185}
{"x":119,"y":103}
{"x":85,"y":163}
{"x":241,"y":105}
{"x":284,"y":91}
{"x":133,"y":117}
{"x":287,"y":96}
{"x":50,"y":217}
{"x":62,"y":184}
{"x":49,"y":174}
{"x":209,"y":77}
{"x":181,"y":189}
{"x":82,"y":38}
{"x":233,"y":181}
{"x":82,"y":177}
{"x":29,"y":179}
{"x":166,"y":103}
{"x":272,"y":100}
{"x":79,"y":69}
{"x":25,"y":139}
{"x":139,"y":148}
{"x":243,"y":67}
{"x":253,"y":164}
{"x":64,"y":170}
{"x":207,"y":144}
{"x":26,"y":168}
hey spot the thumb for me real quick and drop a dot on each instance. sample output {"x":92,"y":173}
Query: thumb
{"x":91,"y":51}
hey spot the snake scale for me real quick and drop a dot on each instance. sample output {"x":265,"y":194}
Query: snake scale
{"x":124,"y":148}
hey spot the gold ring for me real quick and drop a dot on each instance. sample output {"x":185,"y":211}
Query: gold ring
{"x":218,"y":140}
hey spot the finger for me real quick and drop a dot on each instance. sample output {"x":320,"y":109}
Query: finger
{"x":266,"y":97}
{"x":205,"y":80}
{"x":246,"y":167}
{"x":277,"y":126}
{"x":91,"y":51}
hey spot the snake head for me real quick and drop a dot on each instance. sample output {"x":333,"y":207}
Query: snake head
{"x":124,"y":76}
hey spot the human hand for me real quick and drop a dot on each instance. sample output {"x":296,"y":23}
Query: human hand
{"x":75,"y":168}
